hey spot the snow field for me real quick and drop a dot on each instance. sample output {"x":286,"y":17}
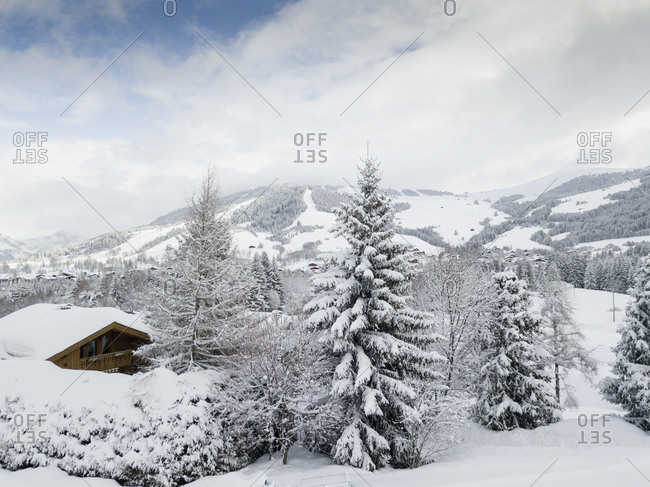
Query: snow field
{"x":518,"y":238}
{"x":591,"y":200}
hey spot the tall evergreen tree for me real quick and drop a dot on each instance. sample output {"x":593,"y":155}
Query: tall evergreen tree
{"x":267,"y":293}
{"x":257,"y":295}
{"x":577,"y":267}
{"x":276,"y":290}
{"x":362,"y":304}
{"x":631,"y":386}
{"x":196,"y":320}
{"x":514,"y":389}
{"x":591,"y":275}
{"x":117,"y":290}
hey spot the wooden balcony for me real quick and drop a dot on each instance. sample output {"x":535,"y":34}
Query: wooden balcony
{"x":108,"y":362}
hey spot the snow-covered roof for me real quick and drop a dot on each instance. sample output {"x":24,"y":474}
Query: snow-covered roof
{"x":42,"y":330}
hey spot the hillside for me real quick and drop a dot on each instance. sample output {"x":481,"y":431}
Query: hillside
{"x":291,"y":222}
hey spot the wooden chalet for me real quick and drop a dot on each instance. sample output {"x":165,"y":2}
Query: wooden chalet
{"x":73,"y":337}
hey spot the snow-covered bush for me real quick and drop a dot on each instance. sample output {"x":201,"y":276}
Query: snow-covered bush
{"x":282,"y":381}
{"x":186,"y":436}
{"x":441,"y":419}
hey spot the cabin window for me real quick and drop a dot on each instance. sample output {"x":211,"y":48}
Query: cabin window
{"x":91,"y":349}
{"x":104,"y":344}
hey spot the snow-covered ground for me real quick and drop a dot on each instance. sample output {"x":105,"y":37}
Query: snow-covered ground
{"x":533,"y":189}
{"x":560,"y":236}
{"x":518,"y":238}
{"x":570,"y":453}
{"x":592,"y":199}
{"x":456,"y":218}
{"x":619,"y":242}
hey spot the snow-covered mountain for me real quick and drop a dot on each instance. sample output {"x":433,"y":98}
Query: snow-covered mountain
{"x":291,"y":222}
{"x":534,"y":188}
{"x":11,"y":248}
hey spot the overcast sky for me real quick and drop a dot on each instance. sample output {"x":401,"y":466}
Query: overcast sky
{"x":489,"y":97}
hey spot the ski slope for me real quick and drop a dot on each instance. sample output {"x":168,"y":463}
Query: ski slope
{"x":456,"y":218}
{"x":591,"y":200}
{"x":249,"y":243}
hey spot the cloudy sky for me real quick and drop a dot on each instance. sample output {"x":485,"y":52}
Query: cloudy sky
{"x":135,"y":102}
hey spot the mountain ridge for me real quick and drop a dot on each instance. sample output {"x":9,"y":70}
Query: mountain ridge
{"x":293,"y":220}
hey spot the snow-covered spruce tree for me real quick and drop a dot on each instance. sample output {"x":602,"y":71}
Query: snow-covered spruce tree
{"x":514,"y":388}
{"x":267,"y":293}
{"x":257,"y":297}
{"x":362,"y":304}
{"x":200,"y":313}
{"x":275,"y":293}
{"x":631,"y":386}
{"x":562,"y":339}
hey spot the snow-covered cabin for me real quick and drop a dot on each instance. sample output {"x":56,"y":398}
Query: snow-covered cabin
{"x":73,"y":337}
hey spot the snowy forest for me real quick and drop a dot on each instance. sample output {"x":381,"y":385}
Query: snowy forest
{"x":376,"y":359}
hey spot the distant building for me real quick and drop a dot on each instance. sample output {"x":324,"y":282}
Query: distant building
{"x":73,"y":337}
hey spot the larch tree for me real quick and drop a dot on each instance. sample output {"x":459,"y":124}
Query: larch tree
{"x":562,"y":338}
{"x":362,"y":304}
{"x":198,"y":316}
{"x":514,"y":388}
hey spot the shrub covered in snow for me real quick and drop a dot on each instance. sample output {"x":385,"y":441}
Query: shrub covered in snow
{"x":282,"y":382}
{"x":156,"y":442}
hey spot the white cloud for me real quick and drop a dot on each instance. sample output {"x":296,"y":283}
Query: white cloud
{"x":449,"y":114}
